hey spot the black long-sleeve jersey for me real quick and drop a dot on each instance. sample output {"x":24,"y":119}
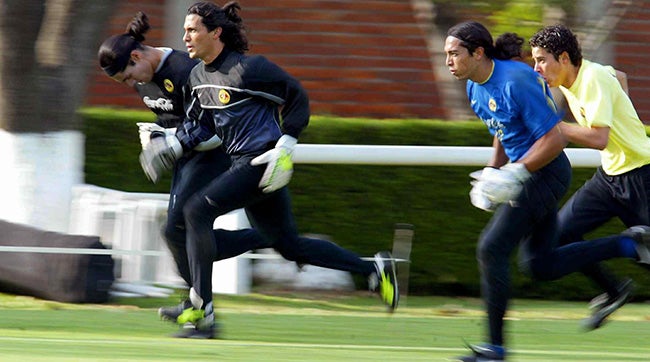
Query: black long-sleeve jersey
{"x":249,"y":101}
{"x":164,"y":94}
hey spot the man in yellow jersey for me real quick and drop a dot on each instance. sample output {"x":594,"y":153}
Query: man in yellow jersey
{"x":606,"y":121}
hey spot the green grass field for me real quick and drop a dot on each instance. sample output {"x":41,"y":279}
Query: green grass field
{"x":313,"y":327}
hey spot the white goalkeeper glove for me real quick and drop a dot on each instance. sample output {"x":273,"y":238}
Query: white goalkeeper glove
{"x":159,"y":156}
{"x":279,"y":166}
{"x":145,"y":130}
{"x":504,"y":184}
{"x":477,"y":195}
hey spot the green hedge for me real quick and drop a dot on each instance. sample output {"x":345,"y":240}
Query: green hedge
{"x":359,"y":205}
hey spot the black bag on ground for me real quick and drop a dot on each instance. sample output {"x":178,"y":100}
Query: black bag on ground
{"x":71,"y":278}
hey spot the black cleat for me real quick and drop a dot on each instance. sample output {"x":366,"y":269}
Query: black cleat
{"x":387,"y":279}
{"x":171,"y":314}
{"x":599,"y":301}
{"x":209,"y":331}
{"x":198,"y":320}
{"x":197,"y":324}
{"x":483,"y":353}
{"x":604,"y":306}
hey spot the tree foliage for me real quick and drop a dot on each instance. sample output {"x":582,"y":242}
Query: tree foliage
{"x":523,"y":17}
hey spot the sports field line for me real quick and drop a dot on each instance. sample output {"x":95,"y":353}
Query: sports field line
{"x":637,"y":353}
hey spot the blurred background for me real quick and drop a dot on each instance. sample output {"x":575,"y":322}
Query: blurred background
{"x":375,"y":72}
{"x":384,"y":58}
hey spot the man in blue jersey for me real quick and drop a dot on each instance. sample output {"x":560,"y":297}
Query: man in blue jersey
{"x":258,"y":110}
{"x":525,"y":179}
{"x":606,"y":121}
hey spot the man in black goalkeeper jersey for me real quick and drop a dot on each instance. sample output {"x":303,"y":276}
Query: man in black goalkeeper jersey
{"x":258,"y":111}
{"x":159,"y":75}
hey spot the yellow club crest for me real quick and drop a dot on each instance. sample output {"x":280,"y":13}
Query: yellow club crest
{"x":224,"y":96}
{"x":582,"y":113}
{"x":169,"y":86}
{"x":492,"y":104}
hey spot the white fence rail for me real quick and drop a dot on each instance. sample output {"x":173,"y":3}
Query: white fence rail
{"x":130,"y":223}
{"x":417,"y":155}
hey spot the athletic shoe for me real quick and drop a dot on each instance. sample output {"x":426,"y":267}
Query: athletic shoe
{"x":603,"y":299}
{"x":386,"y":280}
{"x":206,"y":331}
{"x":602,"y":310}
{"x":599,"y":301}
{"x":641,"y":235}
{"x":196,"y":324}
{"x":171,"y":314}
{"x":476,"y":359}
{"x":484,"y":353}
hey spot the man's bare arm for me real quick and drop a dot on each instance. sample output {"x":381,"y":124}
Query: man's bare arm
{"x":592,"y":137}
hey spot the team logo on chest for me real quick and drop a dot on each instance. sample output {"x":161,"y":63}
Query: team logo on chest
{"x":583,"y":113}
{"x":492,"y":104}
{"x":169,"y":86}
{"x":224,"y":96}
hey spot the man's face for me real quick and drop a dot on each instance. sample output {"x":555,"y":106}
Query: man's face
{"x":547,"y":66}
{"x":138,"y":70}
{"x":200,"y":43}
{"x":461,"y":64}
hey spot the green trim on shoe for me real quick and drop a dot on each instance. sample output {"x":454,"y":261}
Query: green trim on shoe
{"x":190,"y":315}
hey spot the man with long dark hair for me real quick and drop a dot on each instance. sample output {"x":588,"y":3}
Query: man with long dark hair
{"x":159,"y":75}
{"x":258,"y":111}
{"x":525,"y":179}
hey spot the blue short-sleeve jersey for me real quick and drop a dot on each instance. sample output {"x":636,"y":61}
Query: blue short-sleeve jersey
{"x":516,"y":105}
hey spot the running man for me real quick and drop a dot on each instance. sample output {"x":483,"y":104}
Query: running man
{"x":258,"y":110}
{"x":159,"y":75}
{"x":606,"y":121}
{"x":525,"y":179}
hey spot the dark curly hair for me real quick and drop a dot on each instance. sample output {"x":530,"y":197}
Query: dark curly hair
{"x":473,"y":35}
{"x":557,"y":39}
{"x":233,"y":34}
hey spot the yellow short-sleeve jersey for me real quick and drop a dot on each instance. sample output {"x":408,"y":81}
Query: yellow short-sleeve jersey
{"x":597,"y":99}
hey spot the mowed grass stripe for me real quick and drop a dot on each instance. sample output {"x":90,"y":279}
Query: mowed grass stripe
{"x":641,"y":354}
{"x":261,"y":328}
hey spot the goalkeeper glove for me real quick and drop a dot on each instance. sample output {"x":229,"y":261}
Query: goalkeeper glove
{"x":504,"y":184}
{"x":159,"y":156}
{"x":146,"y":129}
{"x":477,"y":195}
{"x":279,"y":166}
{"x":152,"y":130}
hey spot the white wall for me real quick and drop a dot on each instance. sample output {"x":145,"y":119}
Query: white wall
{"x":38,"y":173}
